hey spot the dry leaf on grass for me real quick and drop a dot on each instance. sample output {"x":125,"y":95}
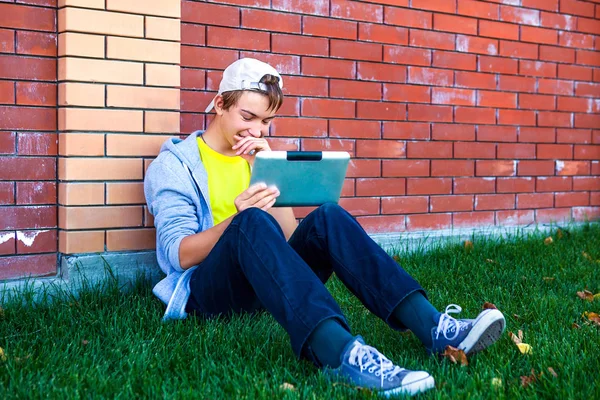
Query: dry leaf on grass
{"x":586,"y":256}
{"x":548,"y":240}
{"x":85,"y":342}
{"x":490,"y":261}
{"x":524,"y":348}
{"x":489,"y":306}
{"x":586,"y":295}
{"x":468,"y":245}
{"x":455,"y":355}
{"x":396,"y":258}
{"x":530,"y":379}
{"x":559,"y":234}
{"x":575,"y":325}
{"x":548,"y":278}
{"x":287,"y":386}
{"x":592,"y":317}
{"x":497,"y":382}
{"x":2,"y":355}
{"x":553,"y":372}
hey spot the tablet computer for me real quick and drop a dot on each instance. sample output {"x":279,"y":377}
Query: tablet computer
{"x":304,"y":178}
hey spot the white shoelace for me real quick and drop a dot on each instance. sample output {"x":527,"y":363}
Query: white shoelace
{"x":448,"y":323}
{"x":384,"y":368}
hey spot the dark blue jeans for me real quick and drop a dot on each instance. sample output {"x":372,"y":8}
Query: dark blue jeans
{"x":252,"y":267}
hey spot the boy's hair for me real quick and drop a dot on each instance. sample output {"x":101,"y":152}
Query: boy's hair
{"x":273,"y":92}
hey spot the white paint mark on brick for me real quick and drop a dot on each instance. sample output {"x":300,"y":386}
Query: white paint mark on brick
{"x":530,"y":17}
{"x":512,"y":2}
{"x":462,"y":44}
{"x":28,"y":237}
{"x":560,"y":165}
{"x":489,"y":179}
{"x":492,"y":50}
{"x":5,"y":237}
{"x":569,"y":22}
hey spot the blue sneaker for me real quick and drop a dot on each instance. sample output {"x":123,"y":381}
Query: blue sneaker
{"x":366,"y":367}
{"x":469,"y":335}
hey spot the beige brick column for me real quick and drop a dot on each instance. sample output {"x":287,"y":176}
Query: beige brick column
{"x":119,"y":99}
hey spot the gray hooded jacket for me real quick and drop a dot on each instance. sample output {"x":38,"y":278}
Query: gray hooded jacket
{"x":176,"y":190}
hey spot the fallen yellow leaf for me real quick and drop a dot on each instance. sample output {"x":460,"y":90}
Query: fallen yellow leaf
{"x":455,"y":355}
{"x":497,"y":382}
{"x":586,"y":295}
{"x":524,"y":348}
{"x":287,"y":386}
{"x":2,"y":355}
{"x":548,"y":240}
{"x":586,"y":256}
{"x":489,"y":306}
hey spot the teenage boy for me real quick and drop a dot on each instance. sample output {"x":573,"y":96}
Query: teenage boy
{"x":227,"y":250}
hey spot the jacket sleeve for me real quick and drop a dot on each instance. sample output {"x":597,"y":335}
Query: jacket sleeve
{"x":168,"y":195}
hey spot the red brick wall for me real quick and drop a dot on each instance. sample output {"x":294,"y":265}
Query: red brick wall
{"x":458,"y":113}
{"x":28,"y":140}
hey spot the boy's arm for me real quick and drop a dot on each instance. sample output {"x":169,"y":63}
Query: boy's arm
{"x":195,"y":248}
{"x":286,"y":219}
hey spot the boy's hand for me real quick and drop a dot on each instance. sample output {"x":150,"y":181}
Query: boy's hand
{"x":257,"y":195}
{"x":247,"y":147}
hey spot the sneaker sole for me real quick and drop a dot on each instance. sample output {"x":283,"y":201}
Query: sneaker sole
{"x":487,"y":329}
{"x":412,"y":388}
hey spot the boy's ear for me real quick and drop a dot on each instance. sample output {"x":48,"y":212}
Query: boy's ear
{"x":219,"y":104}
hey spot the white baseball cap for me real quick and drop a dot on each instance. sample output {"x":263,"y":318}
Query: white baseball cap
{"x":245,"y":74}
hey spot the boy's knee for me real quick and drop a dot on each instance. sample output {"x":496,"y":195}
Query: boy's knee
{"x":330,"y":209}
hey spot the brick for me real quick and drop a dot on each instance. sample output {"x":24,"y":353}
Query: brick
{"x":537,"y":68}
{"x":450,"y":23}
{"x":134,"y":145}
{"x":201,"y":57}
{"x":554,"y":151}
{"x":327,"y":27}
{"x":496,"y":99}
{"x":244,"y":39}
{"x":161,"y":122}
{"x":36,"y":43}
{"x":516,"y":84}
{"x":285,"y":64}
{"x":87,"y":70}
{"x":142,"y":97}
{"x":145,"y":50}
{"x":27,"y":118}
{"x":430,"y":76}
{"x":27,"y":68}
{"x":360,"y":206}
{"x":381,"y":111}
{"x":406,"y":55}
{"x":478,"y":9}
{"x":552,"y":86}
{"x":99,"y":4}
{"x":423,"y":186}
{"x":290,"y":144}
{"x":539,"y":35}
{"x":356,"y":50}
{"x":190,"y":78}
{"x":36,"y":93}
{"x":27,"y":217}
{"x":30,"y":241}
{"x":355,"y":129}
{"x":100,"y":22}
{"x":271,"y":21}
{"x":405,"y":168}
{"x":79,"y":194}
{"x":429,"y":150}
{"x":472,"y":219}
{"x":576,"y":40}
{"x":7,"y":243}
{"x":494,"y":133}
{"x":516,"y":117}
{"x":332,"y":68}
{"x":474,"y":185}
{"x":7,"y":92}
{"x":475,"y":80}
{"x":499,"y":30}
{"x":586,"y":183}
{"x":495,"y":168}
{"x":516,"y":151}
{"x":210,"y":14}
{"x":445,"y":59}
{"x":429,"y":113}
{"x":453,"y":96}
{"x":478,"y":45}
{"x":37,"y":144}
{"x":535,"y":168}
{"x":407,"y":93}
{"x":586,"y":213}
{"x":475,"y":115}
{"x":407,"y":17}
{"x":406,"y":130}
{"x":515,"y":185}
{"x":163,"y":28}
{"x":453,"y":132}
{"x":535,"y":200}
{"x":99,"y":217}
{"x":98,"y":169}
{"x":381,"y":72}
{"x":364,"y":169}
{"x":587,"y":89}
{"x":302,"y":45}
{"x":72,"y":119}
{"x":558,"y":21}
{"x":577,"y":8}
{"x":328,"y":108}
{"x":163,"y":75}
{"x":168,"y":8}
{"x":588,"y":25}
{"x":357,"y":11}
{"x":552,"y":215}
{"x":518,"y":50}
{"x":587,"y":152}
{"x":193,"y":34}
{"x":383,"y":224}
{"x":19,"y":17}
{"x":81,"y":94}
{"x":81,"y":242}
{"x":380,"y":149}
{"x":77,"y":44}
{"x":498,"y":65}
{"x":431,"y":39}
{"x":570,"y":168}
{"x":558,"y":54}
{"x":572,"y":199}
{"x":304,"y":86}
{"x":587,"y":121}
{"x":451,"y":203}
{"x":515,"y":217}
{"x":553,"y":184}
{"x":537,"y":102}
{"x":576,"y":104}
{"x":299,"y":127}
{"x":130,"y":239}
{"x":28,"y":266}
{"x":7,"y":193}
{"x":574,"y":72}
{"x":448,"y":6}
{"x":587,"y":58}
{"x":7,"y":41}
{"x":428,"y":222}
{"x":381,"y":33}
{"x":595,"y":199}
{"x":329,"y":144}
{"x":474,"y":150}
{"x":484,"y":202}
{"x":519,"y":15}
{"x":547,"y":118}
{"x":404,"y":205}
{"x":8,"y":142}
{"x":381,"y":187}
{"x":452,"y":168}
{"x":583,"y":136}
{"x":548,"y":5}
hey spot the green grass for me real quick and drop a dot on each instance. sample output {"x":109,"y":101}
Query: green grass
{"x":109,"y":344}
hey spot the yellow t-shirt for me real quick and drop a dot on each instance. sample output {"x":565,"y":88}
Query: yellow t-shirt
{"x":227,"y":178}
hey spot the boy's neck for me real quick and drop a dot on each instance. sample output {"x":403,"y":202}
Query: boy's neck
{"x":216,"y":140}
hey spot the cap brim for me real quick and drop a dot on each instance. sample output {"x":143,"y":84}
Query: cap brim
{"x":210,"y":106}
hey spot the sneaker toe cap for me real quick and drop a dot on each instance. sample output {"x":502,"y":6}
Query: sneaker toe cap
{"x":414,"y":377}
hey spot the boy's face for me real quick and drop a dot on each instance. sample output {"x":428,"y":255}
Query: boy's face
{"x":248,"y":117}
